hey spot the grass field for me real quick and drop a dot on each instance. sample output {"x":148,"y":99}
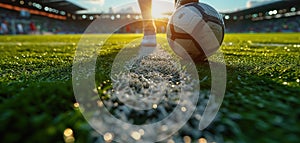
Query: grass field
{"x":261,"y":103}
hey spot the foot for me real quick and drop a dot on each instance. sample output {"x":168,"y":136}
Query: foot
{"x":147,"y":50}
{"x":149,"y":41}
{"x":148,"y":45}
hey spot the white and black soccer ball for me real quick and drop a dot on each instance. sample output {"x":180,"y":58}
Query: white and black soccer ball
{"x":196,"y":29}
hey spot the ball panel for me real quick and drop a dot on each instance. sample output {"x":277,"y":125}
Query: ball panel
{"x":189,"y":46}
{"x":182,"y":46}
{"x":205,"y":38}
{"x":210,"y":10}
{"x":173,"y":34}
{"x":186,"y":18}
{"x":218,"y":31}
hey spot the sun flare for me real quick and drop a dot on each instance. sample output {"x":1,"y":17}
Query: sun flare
{"x":160,"y":8}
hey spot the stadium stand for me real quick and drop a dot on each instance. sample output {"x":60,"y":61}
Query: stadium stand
{"x":59,"y":16}
{"x":279,"y":16}
{"x":40,"y":17}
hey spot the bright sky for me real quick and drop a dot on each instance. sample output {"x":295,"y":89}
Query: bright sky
{"x":158,"y":5}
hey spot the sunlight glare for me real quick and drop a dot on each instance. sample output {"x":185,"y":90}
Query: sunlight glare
{"x":160,"y":8}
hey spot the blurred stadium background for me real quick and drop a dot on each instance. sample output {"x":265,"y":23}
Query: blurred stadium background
{"x":62,"y":17}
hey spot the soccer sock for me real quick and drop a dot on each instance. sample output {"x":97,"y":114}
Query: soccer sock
{"x":149,"y":27}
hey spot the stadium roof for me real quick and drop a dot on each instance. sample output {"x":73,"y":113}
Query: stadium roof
{"x":57,"y":4}
{"x":266,"y":7}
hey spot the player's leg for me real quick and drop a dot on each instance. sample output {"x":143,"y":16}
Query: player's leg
{"x":149,"y":38}
{"x":182,"y":2}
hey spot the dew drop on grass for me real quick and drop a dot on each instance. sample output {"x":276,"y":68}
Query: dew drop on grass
{"x":95,"y":90}
{"x":100,"y":103}
{"x":164,"y":127}
{"x":136,"y":135}
{"x":141,"y":131}
{"x":154,"y":106}
{"x":68,"y":136}
{"x":108,"y":137}
{"x":76,"y":105}
{"x":298,"y":80}
{"x":285,"y":83}
{"x":183,"y":109}
{"x":202,"y":140}
{"x":187,"y":139}
{"x":296,"y":46}
{"x":68,"y":132}
{"x":116,"y":104}
{"x":170,"y":141}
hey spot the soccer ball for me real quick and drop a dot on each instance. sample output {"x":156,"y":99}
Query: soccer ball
{"x":195,"y":30}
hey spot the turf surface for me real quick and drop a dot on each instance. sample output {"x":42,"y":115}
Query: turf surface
{"x":261,"y":103}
